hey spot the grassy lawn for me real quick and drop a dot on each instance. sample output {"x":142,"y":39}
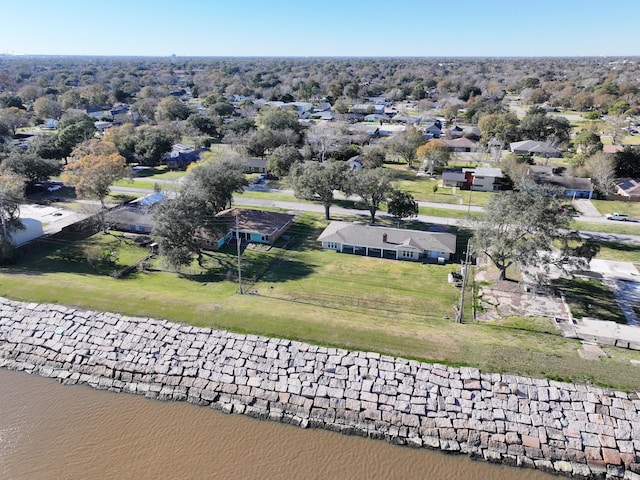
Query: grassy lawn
{"x":621,"y":252}
{"x":609,"y":206}
{"x":323,"y":297}
{"x":590,"y":298}
{"x":623,"y":228}
{"x":422,"y":189}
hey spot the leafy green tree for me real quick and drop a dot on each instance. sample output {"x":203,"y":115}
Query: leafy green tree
{"x":30,"y":166}
{"x":282,"y":159}
{"x":372,"y":186}
{"x":271,"y":118}
{"x":401,"y":204}
{"x":588,"y":143}
{"x":11,"y":195}
{"x":537,"y":125}
{"x":317,"y":182}
{"x":184,"y":223}
{"x":172,"y":108}
{"x":406,"y":144}
{"x":628,"y":162}
{"x":74,"y":134}
{"x":504,"y":127}
{"x":520,"y":227}
{"x":9,"y":100}
{"x":204,"y":124}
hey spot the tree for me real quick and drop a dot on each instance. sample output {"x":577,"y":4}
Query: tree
{"x":321,"y":136}
{"x":81,"y":129}
{"x":504,"y":127}
{"x":216,"y":180}
{"x":204,"y":124}
{"x":47,"y":108}
{"x":401,"y":205}
{"x":406,"y":144}
{"x":282,"y":159}
{"x":628,"y":162}
{"x":94,"y":166}
{"x":11,"y":195}
{"x":317,"y":181}
{"x":434,"y":154}
{"x":30,"y":166}
{"x":182,"y":224}
{"x":372,"y":186}
{"x":537,"y":125}
{"x":271,"y":118}
{"x":13,"y":118}
{"x":587,"y":143}
{"x":520,"y":227}
{"x":601,"y":168}
{"x":171,"y":108}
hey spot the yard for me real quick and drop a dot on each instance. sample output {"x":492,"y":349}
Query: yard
{"x":323,"y":297}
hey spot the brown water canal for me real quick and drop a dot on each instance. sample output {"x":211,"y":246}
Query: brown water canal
{"x":52,"y":431}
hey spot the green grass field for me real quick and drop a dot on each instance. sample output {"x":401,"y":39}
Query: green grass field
{"x":323,"y":297}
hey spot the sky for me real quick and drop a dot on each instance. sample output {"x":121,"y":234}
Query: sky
{"x":413,"y":28}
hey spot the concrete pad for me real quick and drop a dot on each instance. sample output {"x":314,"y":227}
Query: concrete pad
{"x":617,"y":270}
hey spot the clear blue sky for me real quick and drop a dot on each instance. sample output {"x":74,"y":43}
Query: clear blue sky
{"x":321,"y":27}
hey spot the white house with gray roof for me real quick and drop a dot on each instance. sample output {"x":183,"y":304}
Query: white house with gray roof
{"x":391,"y":243}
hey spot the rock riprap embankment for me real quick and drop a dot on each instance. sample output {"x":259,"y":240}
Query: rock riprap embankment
{"x":575,"y":430}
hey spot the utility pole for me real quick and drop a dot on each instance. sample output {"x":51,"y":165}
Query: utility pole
{"x":465,"y":274}
{"x":238,"y":247}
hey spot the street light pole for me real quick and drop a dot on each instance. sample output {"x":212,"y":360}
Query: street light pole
{"x":238,"y":249}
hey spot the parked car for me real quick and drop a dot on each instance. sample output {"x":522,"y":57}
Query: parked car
{"x":617,"y":216}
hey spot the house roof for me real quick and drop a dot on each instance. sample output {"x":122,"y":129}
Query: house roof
{"x":451,"y":176}
{"x":256,"y":162}
{"x":257,"y":221}
{"x":461,"y":142}
{"x":149,"y":200}
{"x":533,"y":146}
{"x":630,"y":186}
{"x":569,"y":183}
{"x":373,"y":237}
{"x":487,"y":172}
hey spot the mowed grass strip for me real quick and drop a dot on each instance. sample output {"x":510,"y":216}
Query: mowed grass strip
{"x":322,"y":297}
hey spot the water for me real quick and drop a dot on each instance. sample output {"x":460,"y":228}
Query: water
{"x":52,"y":431}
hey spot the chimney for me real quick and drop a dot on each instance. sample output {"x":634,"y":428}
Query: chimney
{"x":384,"y":238}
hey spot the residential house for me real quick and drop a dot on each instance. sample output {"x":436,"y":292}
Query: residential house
{"x":323,"y":115}
{"x":181,"y":156}
{"x":452,"y":178}
{"x":255,"y":165}
{"x":486,"y":179}
{"x":254,"y":226}
{"x":461,"y":144}
{"x":628,"y":189}
{"x":32,"y":229}
{"x":434,"y":129}
{"x":376,"y":117}
{"x":574,"y":187}
{"x":367,"y":108}
{"x":390,"y":243}
{"x":135,"y":216}
{"x":533,"y":147}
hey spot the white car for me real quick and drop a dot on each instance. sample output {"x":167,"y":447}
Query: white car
{"x":617,"y":216}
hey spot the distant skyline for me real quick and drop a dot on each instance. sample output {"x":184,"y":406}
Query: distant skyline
{"x":411,"y":28}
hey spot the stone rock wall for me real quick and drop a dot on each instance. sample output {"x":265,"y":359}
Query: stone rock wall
{"x":574,"y":430}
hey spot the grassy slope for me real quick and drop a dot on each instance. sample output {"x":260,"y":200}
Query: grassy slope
{"x":304,"y":293}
